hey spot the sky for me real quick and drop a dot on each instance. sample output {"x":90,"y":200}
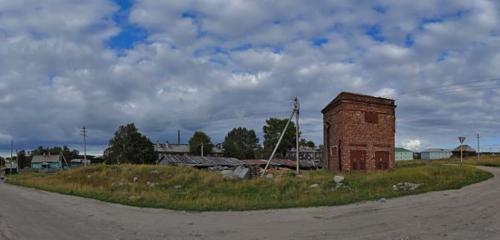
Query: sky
{"x":213,"y":65}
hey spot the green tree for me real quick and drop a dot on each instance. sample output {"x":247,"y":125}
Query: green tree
{"x":198,"y":139}
{"x":129,"y":146}
{"x":240,"y":143}
{"x":272,"y":131}
{"x":305,"y":143}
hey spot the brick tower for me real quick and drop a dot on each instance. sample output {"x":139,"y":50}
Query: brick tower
{"x":359,"y":133}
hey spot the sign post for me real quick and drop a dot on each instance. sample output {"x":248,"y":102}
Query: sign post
{"x":461,"y":139}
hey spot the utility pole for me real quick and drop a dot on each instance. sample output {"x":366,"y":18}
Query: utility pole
{"x":11,"y":154}
{"x":296,"y":108}
{"x":202,"y":149}
{"x":294,"y":111}
{"x":478,"y":150}
{"x":84,"y":134}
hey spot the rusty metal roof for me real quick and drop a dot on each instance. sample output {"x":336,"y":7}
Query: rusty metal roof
{"x":198,"y":161}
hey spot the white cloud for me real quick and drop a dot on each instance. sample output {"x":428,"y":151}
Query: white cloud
{"x":214,"y":65}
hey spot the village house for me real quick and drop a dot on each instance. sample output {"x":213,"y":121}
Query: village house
{"x":306,"y":153}
{"x":402,"y":154}
{"x":167,"y":149}
{"x":359,"y":133}
{"x":46,"y":162}
{"x":435,"y":153}
{"x":466,"y":150}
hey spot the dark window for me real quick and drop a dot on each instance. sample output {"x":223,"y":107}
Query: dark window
{"x":371,"y":117}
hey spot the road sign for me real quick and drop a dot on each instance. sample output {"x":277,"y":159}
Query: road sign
{"x":461,"y":139}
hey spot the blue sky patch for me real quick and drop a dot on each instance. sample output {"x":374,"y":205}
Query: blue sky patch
{"x":409,"y":41}
{"x":375,"y":33}
{"x":319,"y":41}
{"x":442,"y":56}
{"x":130,"y":34}
{"x":380,"y":9}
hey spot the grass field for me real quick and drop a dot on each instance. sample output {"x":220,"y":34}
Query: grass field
{"x":489,"y":161}
{"x":183,"y":188}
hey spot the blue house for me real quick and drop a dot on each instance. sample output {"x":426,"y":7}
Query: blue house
{"x":436,"y":153}
{"x":46,"y":162}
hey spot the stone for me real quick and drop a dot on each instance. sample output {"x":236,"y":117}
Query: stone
{"x":154,"y":172}
{"x":314,"y":185}
{"x":135,"y":179}
{"x":89,"y":176}
{"x":227,"y":174}
{"x":338,"y":179}
{"x":178,"y":186}
{"x":383,"y":200}
{"x":241,"y":172}
{"x":406,"y":186}
{"x":269,"y":176}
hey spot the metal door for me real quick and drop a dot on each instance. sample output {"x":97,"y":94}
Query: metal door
{"x":381,"y":160}
{"x":358,"y":160}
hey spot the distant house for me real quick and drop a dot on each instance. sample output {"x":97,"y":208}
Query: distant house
{"x":466,"y":150}
{"x":199,"y":161}
{"x":306,"y":153}
{"x":166,"y":149}
{"x":435,"y":153}
{"x":46,"y":162}
{"x":10,"y":167}
{"x":79,"y":162}
{"x":402,"y":154}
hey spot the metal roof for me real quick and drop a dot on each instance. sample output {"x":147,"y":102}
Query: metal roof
{"x":198,"y":161}
{"x":402,"y":150}
{"x":465,"y":148}
{"x":437,"y":150}
{"x":172,"y":148}
{"x":281,"y":163}
{"x":45,"y":158}
{"x":179,"y":148}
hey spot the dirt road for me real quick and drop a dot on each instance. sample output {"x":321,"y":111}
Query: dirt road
{"x":470,"y":213}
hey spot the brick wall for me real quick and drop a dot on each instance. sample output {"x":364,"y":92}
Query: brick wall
{"x":359,"y":133}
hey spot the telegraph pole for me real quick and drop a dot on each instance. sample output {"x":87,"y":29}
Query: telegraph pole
{"x":11,"y":154}
{"x":478,"y":150}
{"x":294,"y":112}
{"x":84,"y":134}
{"x":296,"y":108}
{"x":202,"y":149}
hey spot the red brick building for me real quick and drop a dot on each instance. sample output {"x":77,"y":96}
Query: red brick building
{"x":359,"y":133}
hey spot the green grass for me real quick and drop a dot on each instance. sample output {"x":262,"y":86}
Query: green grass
{"x":208,"y":191}
{"x":488,"y":161}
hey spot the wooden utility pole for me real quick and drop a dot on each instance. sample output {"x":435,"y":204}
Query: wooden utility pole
{"x":296,"y":109}
{"x":478,"y":150}
{"x":12,"y":155}
{"x":202,"y":149}
{"x":84,"y":134}
{"x":294,"y":112}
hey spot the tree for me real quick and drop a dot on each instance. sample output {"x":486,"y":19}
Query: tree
{"x":68,"y":153}
{"x":129,"y":146}
{"x":22,"y":161}
{"x":303,"y":142}
{"x":240,"y":143}
{"x":272,"y":131}
{"x":198,"y":139}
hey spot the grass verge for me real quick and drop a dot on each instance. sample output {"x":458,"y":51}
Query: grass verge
{"x":487,"y":161}
{"x":183,"y":188}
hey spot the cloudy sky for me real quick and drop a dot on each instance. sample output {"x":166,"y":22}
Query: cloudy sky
{"x":213,"y":65}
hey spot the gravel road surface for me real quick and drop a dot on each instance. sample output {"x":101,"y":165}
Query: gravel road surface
{"x":469,"y":213}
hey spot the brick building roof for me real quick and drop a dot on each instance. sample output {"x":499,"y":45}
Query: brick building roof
{"x":356,"y":97}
